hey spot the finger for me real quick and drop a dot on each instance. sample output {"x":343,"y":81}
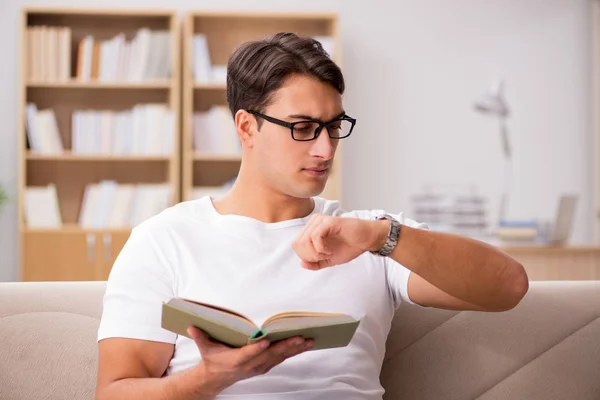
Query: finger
{"x":278,"y":352}
{"x":304,"y":246}
{"x":312,"y":223}
{"x":251,"y":351}
{"x":317,"y":265}
{"x":198,"y":336}
{"x":204,"y":342}
{"x":318,"y":238}
{"x":290,"y":350}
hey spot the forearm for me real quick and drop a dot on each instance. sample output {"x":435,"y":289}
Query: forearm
{"x":470,"y":270}
{"x":191,"y":384}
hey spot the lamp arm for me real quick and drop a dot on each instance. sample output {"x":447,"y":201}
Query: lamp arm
{"x":504,"y":137}
{"x":506,"y":148}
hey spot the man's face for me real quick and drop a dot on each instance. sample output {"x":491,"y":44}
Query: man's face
{"x":295,"y":168}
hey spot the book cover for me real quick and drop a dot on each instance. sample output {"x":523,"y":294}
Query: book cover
{"x":329,"y":330}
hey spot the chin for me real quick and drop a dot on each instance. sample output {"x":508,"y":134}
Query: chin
{"x":311,"y":191}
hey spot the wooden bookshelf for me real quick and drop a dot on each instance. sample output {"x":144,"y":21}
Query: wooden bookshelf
{"x":70,"y":251}
{"x":224,"y":31}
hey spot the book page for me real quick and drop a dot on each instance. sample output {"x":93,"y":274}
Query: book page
{"x":219,"y":309}
{"x":300,"y":314}
{"x":288,"y":323}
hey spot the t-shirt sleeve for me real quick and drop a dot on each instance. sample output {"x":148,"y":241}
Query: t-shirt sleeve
{"x":139,"y":281}
{"x":398,"y":274}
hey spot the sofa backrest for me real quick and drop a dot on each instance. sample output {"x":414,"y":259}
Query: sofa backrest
{"x":48,"y":347}
{"x":546,"y":348}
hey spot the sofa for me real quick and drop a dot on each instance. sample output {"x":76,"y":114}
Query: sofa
{"x":548,"y":347}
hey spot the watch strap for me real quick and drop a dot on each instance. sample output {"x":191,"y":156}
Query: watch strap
{"x":393,"y":236}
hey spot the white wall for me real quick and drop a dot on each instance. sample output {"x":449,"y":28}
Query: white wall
{"x":413,"y":69}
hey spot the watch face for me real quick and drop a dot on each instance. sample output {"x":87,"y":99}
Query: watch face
{"x":380,"y":216}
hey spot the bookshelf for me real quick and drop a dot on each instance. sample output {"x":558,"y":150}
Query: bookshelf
{"x":99,"y":134}
{"x":209,"y":38}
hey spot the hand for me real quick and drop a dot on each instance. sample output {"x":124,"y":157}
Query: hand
{"x":224,"y":366}
{"x":327,"y":241}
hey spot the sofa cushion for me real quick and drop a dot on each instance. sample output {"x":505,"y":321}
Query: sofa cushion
{"x":48,"y":355}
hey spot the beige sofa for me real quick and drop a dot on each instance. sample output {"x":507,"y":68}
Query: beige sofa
{"x":546,"y":348}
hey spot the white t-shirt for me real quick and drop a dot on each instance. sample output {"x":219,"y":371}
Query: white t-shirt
{"x":192,"y":251}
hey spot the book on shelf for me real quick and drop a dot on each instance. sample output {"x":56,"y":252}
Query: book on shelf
{"x":146,"y":129}
{"x":329,"y":330}
{"x":108,"y":204}
{"x":146,"y":57}
{"x":202,"y":68}
{"x":214,"y":132}
{"x":48,"y":50}
{"x":41,"y":207}
{"x":42,"y":131}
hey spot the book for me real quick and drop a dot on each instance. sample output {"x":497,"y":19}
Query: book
{"x":329,"y":330}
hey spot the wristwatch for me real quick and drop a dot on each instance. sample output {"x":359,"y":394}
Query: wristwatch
{"x":393,"y":235}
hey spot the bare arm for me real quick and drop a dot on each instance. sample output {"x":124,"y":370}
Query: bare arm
{"x":133,"y":369}
{"x":457,"y":272}
{"x":449,"y":271}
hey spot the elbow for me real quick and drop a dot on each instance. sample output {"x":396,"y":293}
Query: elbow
{"x":516,"y":286}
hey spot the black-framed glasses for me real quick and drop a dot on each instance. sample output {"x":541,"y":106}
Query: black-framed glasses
{"x":304,"y":131}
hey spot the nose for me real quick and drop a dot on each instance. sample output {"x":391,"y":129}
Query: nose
{"x":323,"y":146}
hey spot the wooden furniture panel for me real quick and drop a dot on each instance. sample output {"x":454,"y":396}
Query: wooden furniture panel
{"x":111,"y":245}
{"x":62,"y":256}
{"x":559,"y":263}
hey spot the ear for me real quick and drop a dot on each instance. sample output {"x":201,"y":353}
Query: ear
{"x":245,"y":125}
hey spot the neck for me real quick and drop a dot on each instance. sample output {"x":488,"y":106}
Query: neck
{"x":252,"y":198}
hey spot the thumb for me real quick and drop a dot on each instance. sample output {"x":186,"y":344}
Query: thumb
{"x":202,"y":340}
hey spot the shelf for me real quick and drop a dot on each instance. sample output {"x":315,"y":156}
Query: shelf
{"x":74,"y":228}
{"x":583,"y":249}
{"x":100,"y":12}
{"x":74,"y":84}
{"x":261,"y":15}
{"x":68,"y":156}
{"x":210,"y":86}
{"x":217,"y":157}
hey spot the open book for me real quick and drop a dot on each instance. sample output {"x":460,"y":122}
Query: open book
{"x":235,"y":330}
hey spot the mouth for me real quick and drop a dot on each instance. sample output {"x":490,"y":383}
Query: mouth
{"x":317,"y":171}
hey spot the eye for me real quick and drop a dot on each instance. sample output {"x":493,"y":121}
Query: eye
{"x":304,"y":127}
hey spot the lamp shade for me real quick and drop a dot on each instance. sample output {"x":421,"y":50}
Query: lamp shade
{"x":492,"y":101}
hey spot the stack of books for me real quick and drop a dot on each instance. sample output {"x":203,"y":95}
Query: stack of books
{"x":214,"y":132}
{"x":517,"y":231}
{"x":146,"y":57}
{"x":48,"y":53}
{"x":107,"y":204}
{"x":147,"y":129}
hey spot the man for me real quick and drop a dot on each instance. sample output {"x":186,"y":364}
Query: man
{"x":271,"y":244}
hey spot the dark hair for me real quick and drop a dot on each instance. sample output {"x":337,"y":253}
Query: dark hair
{"x":257,"y":69}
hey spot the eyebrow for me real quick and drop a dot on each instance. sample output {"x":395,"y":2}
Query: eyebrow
{"x":308,"y":117}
